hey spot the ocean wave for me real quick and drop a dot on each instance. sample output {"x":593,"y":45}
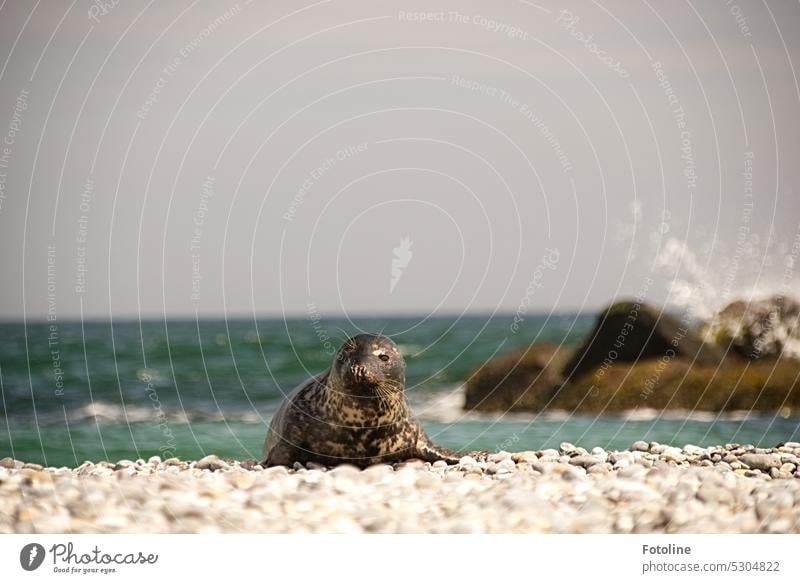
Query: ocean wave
{"x":446,"y":406}
{"x":441,"y":406}
{"x":106,"y":413}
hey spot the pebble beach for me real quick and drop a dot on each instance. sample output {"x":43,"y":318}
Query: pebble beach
{"x":647,"y":488}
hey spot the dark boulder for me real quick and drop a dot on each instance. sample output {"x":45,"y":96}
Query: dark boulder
{"x":523,"y":380}
{"x":631,"y":331}
{"x":758,"y":329}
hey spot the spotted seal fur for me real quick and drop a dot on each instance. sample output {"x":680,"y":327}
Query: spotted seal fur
{"x":355,"y":412}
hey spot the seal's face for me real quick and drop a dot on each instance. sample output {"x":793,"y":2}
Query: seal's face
{"x":370,"y":361}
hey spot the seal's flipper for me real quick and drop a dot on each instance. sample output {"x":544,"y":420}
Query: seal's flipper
{"x":430,"y":452}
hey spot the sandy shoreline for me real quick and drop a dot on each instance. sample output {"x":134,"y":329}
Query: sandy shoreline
{"x":648,"y":488}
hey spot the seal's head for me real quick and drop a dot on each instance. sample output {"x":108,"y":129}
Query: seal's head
{"x":367,"y":362}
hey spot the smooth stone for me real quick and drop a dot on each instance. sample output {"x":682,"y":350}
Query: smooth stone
{"x":212,"y":463}
{"x":8,"y":462}
{"x":524,"y":456}
{"x":777,"y":474}
{"x":640,"y":446}
{"x":566,"y":447}
{"x":616,"y":456}
{"x":760,"y":461}
{"x":584,"y":461}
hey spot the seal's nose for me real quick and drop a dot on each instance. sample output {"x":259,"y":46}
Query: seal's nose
{"x":360,"y":372}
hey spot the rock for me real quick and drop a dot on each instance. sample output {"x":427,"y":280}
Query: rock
{"x":524,"y":456}
{"x":578,"y":492}
{"x":523,"y":380}
{"x":567,"y":448}
{"x":778,"y":474}
{"x":768,"y":327}
{"x":242,"y":480}
{"x":640,"y":446}
{"x":673,"y":454}
{"x":585,"y":461}
{"x":617,"y":456}
{"x":8,"y":462}
{"x":211,"y":462}
{"x":760,"y":461}
{"x":693,"y":450}
{"x":245,"y":465}
{"x":630,"y":331}
{"x":467,"y":461}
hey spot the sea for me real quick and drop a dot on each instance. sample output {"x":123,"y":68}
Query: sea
{"x":111,"y":390}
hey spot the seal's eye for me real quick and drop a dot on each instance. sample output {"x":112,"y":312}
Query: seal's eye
{"x":384,"y":357}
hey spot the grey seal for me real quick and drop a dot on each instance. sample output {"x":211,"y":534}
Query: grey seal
{"x":355,"y":412}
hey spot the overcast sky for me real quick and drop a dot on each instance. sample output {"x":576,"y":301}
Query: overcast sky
{"x":346,"y":157}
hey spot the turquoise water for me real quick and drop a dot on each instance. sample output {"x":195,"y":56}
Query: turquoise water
{"x":187,"y":388}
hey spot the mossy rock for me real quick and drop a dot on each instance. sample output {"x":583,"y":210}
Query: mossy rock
{"x":523,"y":380}
{"x":737,"y":384}
{"x":629,"y":331}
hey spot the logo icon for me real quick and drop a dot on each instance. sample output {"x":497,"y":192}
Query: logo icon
{"x":402,"y":257}
{"x":31,"y":556}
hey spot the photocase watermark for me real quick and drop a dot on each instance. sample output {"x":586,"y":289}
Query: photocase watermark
{"x":177,"y":61}
{"x":523,"y":109}
{"x":568,"y":21}
{"x":743,"y":234}
{"x":790,"y":262}
{"x":320,"y":331}
{"x":66,"y":559}
{"x":455,"y":17}
{"x":53,"y":337}
{"x":652,"y":381}
{"x":31,"y":556}
{"x":741,"y":20}
{"x":168,"y":448}
{"x":506,"y":444}
{"x":101,"y":8}
{"x":687,"y":154}
{"x":316,"y":174}
{"x":6,"y":148}
{"x":402,"y":257}
{"x":82,"y":237}
{"x":548,"y":261}
{"x":199,"y":220}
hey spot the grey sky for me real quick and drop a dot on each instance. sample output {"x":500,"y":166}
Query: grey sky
{"x":238,"y":158}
